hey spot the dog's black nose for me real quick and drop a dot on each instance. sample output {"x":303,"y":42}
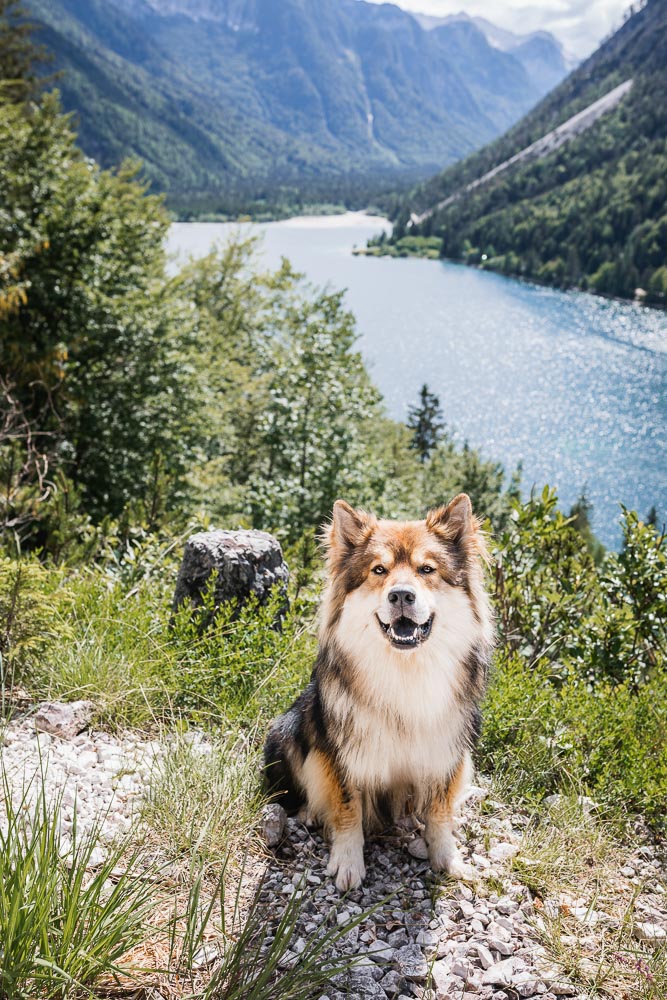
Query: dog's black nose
{"x":402,"y":595}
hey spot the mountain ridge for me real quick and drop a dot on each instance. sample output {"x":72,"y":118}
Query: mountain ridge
{"x":226,"y":97}
{"x":593,"y":212}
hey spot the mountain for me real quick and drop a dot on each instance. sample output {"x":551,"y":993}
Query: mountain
{"x":542,"y":56}
{"x":576,"y":192}
{"x":224,"y":99}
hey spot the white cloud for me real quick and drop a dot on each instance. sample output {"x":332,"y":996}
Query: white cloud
{"x":579,"y":24}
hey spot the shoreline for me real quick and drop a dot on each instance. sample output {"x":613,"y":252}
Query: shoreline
{"x":427,"y":254}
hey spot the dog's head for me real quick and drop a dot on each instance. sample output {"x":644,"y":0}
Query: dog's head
{"x":405,"y":582}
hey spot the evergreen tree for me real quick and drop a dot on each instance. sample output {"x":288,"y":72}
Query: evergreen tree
{"x":426,"y":423}
{"x":580,"y":514}
{"x":19,"y":55}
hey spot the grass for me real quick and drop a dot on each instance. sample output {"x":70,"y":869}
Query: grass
{"x":119,"y":646}
{"x":203,"y":797}
{"x":571,"y":859}
{"x":64,"y":921}
{"x":73,"y":926}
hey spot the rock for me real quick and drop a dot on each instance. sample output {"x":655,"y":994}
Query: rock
{"x":499,"y":974}
{"x":526,"y":984}
{"x":64,"y":719}
{"x":506,"y":905}
{"x":243,"y":564}
{"x":427,"y":939}
{"x":273,"y":822}
{"x":503,"y":852}
{"x":650,"y":933}
{"x":418,"y":849}
{"x":499,"y":945}
{"x":466,"y":909}
{"x":411,"y":963}
{"x":485,"y":956}
{"x":441,"y":978}
{"x":557,"y":982}
{"x":380,"y":951}
{"x":363,"y":985}
{"x":391,"y":982}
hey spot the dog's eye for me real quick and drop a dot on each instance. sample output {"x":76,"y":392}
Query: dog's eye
{"x":426,"y":570}
{"x":379,"y":570}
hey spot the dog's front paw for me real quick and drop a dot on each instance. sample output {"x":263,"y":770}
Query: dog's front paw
{"x":346,"y":862}
{"x":455,"y":866}
{"x":444,"y":857}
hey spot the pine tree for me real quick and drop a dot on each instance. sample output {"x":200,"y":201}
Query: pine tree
{"x":19,"y":55}
{"x":426,"y":423}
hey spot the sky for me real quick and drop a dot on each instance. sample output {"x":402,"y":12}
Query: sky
{"x":579,"y":24}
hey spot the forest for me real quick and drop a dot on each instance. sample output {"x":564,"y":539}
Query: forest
{"x":592,"y":214}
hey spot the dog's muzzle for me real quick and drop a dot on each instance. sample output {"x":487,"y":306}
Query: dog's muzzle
{"x":404,"y":633}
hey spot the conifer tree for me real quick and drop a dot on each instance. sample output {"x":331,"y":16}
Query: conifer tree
{"x":19,"y":55}
{"x":426,"y":423}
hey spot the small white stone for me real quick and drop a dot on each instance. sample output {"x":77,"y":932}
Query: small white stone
{"x":500,"y":973}
{"x":650,"y":933}
{"x":418,"y":849}
{"x":503,"y":851}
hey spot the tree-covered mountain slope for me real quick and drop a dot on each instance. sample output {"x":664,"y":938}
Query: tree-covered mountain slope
{"x":227,"y":97}
{"x":593,"y":211}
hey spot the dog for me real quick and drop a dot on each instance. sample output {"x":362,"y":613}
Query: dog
{"x":391,"y":715}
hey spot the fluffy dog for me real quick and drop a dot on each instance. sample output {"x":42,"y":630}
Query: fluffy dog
{"x":391,"y":714}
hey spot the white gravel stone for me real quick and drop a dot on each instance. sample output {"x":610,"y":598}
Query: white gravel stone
{"x":273,"y":822}
{"x":503,"y":851}
{"x":650,"y":933}
{"x":62,"y":719}
{"x":500,"y":973}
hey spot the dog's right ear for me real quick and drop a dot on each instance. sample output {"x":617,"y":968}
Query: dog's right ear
{"x":348,"y":526}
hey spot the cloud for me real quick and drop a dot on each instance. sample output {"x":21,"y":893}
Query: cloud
{"x":579,"y":24}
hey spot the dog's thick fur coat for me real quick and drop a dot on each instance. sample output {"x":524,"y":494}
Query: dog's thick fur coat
{"x":391,"y":714}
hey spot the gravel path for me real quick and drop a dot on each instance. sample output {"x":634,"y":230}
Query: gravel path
{"x":458,"y":940}
{"x":428,"y":937}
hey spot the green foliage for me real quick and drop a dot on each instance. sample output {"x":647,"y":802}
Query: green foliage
{"x":63,"y":923}
{"x":590,"y":623}
{"x":19,"y":55}
{"x":32,"y":606}
{"x":577,"y":699}
{"x":407,"y":246}
{"x":94,"y":347}
{"x":590,"y":214}
{"x":542,"y":735}
{"x":426,"y":422}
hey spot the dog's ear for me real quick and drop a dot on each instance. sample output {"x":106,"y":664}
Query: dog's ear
{"x":348,"y":526}
{"x":456,"y":520}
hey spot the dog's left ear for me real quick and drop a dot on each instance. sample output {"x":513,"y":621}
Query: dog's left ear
{"x":455,"y":520}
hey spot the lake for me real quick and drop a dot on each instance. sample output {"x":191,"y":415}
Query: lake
{"x":572,"y":386}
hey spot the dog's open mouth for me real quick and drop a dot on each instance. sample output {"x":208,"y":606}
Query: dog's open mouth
{"x":405,"y":633}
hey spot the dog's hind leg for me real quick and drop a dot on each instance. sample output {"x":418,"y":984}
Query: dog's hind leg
{"x":341,"y":811}
{"x":442,"y":850}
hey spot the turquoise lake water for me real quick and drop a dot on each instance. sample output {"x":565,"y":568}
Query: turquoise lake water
{"x":572,"y":386}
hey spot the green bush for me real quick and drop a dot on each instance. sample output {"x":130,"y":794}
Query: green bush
{"x":543,"y":736}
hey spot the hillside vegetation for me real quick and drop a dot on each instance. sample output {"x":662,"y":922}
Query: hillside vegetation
{"x":331,"y":100}
{"x":591,"y":214}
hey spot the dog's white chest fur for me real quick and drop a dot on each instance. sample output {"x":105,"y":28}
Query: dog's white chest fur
{"x":406,"y":729}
